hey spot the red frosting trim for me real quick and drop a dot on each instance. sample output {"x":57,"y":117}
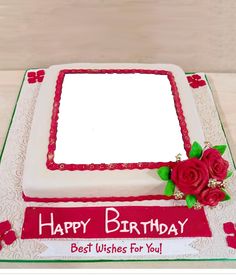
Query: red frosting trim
{"x":99,"y":199}
{"x":112,"y":166}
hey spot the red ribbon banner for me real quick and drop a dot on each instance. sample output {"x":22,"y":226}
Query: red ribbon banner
{"x":114,"y":222}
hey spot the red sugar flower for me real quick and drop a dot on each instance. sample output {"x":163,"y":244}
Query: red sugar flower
{"x":200,"y":179}
{"x":195,"y":81}
{"x":190,"y":176}
{"x":211,"y":196}
{"x":217,"y":166}
{"x":34,"y":77}
{"x":6,"y":233}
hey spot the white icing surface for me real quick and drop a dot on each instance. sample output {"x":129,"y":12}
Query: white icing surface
{"x":38,"y":181}
{"x":117,"y":118}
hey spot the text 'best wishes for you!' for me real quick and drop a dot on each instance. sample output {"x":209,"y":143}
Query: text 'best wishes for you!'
{"x":116,"y":248}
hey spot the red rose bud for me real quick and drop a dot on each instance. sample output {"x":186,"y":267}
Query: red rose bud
{"x":190,"y":176}
{"x":217,"y":166}
{"x":211,"y":196}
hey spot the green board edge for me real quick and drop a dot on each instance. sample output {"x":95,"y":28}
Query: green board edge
{"x":128,"y":260}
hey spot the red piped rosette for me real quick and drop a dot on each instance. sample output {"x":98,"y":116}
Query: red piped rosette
{"x":112,"y":166}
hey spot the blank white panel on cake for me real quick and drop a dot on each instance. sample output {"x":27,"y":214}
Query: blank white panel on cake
{"x":117,"y":118}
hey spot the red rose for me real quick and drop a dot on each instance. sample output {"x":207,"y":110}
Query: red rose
{"x":211,"y":196}
{"x":217,"y":166}
{"x":190,"y":176}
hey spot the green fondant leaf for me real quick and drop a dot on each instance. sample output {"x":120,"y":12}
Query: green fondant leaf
{"x":170,"y":188}
{"x":227,"y":196}
{"x":229,"y":174}
{"x":220,"y":148}
{"x":164,"y":172}
{"x":190,"y":200}
{"x":196,"y":150}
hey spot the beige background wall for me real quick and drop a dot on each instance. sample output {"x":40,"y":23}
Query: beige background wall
{"x":195,"y":34}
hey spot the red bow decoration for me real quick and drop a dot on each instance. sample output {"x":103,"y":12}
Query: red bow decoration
{"x":195,"y":81}
{"x":229,"y":228}
{"x":6,"y":233}
{"x":34,"y":77}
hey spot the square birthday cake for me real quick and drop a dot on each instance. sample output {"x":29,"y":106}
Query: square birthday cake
{"x":116,"y":162}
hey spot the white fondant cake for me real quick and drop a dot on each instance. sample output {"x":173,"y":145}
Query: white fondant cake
{"x":104,"y":119}
{"x":96,"y":132}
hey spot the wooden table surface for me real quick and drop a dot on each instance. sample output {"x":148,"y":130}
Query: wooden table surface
{"x":224,"y":90}
{"x":196,"y":35}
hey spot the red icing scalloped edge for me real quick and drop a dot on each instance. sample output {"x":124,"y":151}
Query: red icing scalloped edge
{"x":99,"y":199}
{"x":112,"y":166}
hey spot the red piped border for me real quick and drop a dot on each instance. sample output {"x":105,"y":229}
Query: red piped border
{"x":112,"y":166}
{"x":99,"y":199}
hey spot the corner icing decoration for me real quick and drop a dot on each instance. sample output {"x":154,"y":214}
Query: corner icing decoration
{"x":7,"y":235}
{"x":195,"y":81}
{"x":35,"y":76}
{"x":230,"y":231}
